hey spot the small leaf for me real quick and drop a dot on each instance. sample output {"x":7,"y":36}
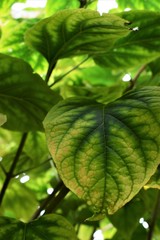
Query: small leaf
{"x":25,"y":98}
{"x":3,"y":119}
{"x":75,"y":32}
{"x":49,"y":227}
{"x":106,"y":153}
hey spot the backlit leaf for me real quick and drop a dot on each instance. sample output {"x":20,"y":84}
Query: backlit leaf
{"x":75,"y":32}
{"x":49,"y":227}
{"x":24,"y":97}
{"x":106,"y":153}
{"x":141,"y":46}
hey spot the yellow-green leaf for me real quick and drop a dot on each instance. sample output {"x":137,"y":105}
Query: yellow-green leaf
{"x":106,"y":153}
{"x":75,"y":32}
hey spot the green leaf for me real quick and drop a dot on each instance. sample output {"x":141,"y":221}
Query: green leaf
{"x":137,"y":4}
{"x":106,"y":153}
{"x":12,"y":42}
{"x":75,"y":32}
{"x":25,"y":98}
{"x":49,"y":227}
{"x":140,"y":47}
{"x":17,"y":193}
{"x":3,"y":119}
{"x":56,"y":5}
{"x":5,"y":5}
{"x":154,"y":182}
{"x":36,"y":140}
{"x":140,"y":233}
{"x":129,"y":215}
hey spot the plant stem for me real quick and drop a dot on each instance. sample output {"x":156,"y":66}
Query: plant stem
{"x":49,"y":71}
{"x":134,"y":80}
{"x":32,"y":168}
{"x":154,"y":217}
{"x":57,"y":199}
{"x":9,"y":174}
{"x":47,"y":201}
{"x":82,"y":3}
{"x":74,"y":68}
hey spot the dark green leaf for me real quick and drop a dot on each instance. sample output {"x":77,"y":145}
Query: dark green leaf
{"x":49,"y":227}
{"x":141,"y":46}
{"x":127,"y":218}
{"x":75,"y":32}
{"x":154,"y":66}
{"x":140,"y":234}
{"x":25,"y":98}
{"x":154,"y":182}
{"x":3,"y":119}
{"x":106,"y":153}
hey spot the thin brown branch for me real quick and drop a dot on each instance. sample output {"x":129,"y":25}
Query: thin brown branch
{"x":58,"y":198}
{"x":47,"y":201}
{"x":71,"y":70}
{"x":12,"y":168}
{"x":83,"y":3}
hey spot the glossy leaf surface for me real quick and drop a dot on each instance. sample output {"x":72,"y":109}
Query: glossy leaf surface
{"x":74,"y":32}
{"x":140,"y":47}
{"x":106,"y":153}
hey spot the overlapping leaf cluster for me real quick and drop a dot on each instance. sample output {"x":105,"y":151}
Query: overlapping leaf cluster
{"x":103,"y":137}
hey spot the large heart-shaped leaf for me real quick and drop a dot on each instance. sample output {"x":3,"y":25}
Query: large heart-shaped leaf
{"x":49,"y":227}
{"x":140,"y":47}
{"x":106,"y":153}
{"x":74,"y":32}
{"x":24,"y":97}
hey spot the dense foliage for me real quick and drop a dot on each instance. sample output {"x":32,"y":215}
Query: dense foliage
{"x":80,"y":121}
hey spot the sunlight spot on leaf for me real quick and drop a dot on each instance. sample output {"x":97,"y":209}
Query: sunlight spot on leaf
{"x":144,"y":223}
{"x":50,"y":190}
{"x":98,"y":235}
{"x":42,"y":212}
{"x":1,"y":159}
{"x":104,"y":6}
{"x":127,"y":9}
{"x":135,"y":29}
{"x":24,"y":179}
{"x":141,"y":220}
{"x":10,"y":50}
{"x":19,"y":10}
{"x":126,"y":77}
{"x":17,"y":176}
